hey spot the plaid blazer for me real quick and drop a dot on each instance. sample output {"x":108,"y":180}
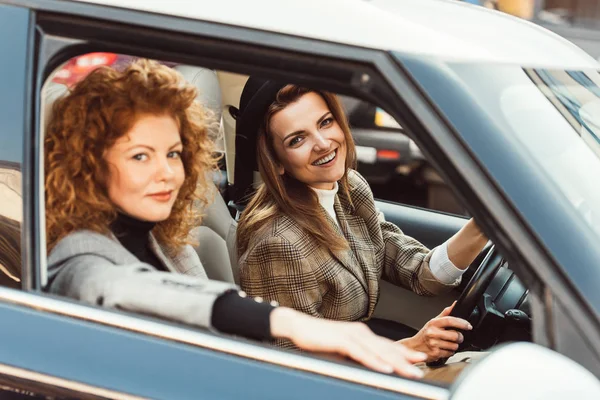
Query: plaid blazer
{"x":285,"y":264}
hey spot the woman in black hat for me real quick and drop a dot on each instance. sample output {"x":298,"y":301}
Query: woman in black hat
{"x":311,"y":237}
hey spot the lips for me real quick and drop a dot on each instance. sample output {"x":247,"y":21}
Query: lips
{"x":162,"y":196}
{"x":326,"y":160}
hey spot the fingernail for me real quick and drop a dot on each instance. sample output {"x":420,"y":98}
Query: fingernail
{"x":416,"y":372}
{"x":461,"y":338}
{"x":386,"y":369}
{"x":422,"y":356}
{"x":469,"y":326}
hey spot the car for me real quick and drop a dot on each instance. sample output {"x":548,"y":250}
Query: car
{"x":509,"y":125}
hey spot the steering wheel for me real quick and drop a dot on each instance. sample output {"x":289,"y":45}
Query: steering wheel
{"x":468,"y":299}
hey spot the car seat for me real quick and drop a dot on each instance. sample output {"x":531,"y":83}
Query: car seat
{"x":216,"y":237}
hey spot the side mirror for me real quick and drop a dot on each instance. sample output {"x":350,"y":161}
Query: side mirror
{"x":525,"y":371}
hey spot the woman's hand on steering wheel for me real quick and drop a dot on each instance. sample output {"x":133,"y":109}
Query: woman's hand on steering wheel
{"x":439,"y":337}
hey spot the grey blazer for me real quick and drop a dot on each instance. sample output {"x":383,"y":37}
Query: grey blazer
{"x":97,"y":269}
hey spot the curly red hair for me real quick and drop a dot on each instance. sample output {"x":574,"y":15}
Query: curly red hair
{"x":85,"y":123}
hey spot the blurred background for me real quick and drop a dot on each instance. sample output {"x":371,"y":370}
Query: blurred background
{"x":576,"y":20}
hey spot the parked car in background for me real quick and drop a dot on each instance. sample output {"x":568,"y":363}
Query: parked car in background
{"x":382,"y":145}
{"x":393,"y":164}
{"x":508,"y":125}
{"x":77,"y":68}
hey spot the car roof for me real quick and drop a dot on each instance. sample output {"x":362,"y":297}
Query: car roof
{"x":447,"y":29}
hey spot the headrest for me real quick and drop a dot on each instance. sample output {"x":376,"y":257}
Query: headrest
{"x":207,"y":83}
{"x":50,"y":93}
{"x":257,"y":96}
{"x":209,"y":95}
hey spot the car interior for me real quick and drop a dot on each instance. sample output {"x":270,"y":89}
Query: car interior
{"x":490,"y":295}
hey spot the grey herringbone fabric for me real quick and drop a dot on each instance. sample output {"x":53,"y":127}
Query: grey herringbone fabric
{"x":285,"y":264}
{"x":96,"y":269}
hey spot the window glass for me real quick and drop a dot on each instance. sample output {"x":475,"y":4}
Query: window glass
{"x":393,"y":164}
{"x":11,"y":216}
{"x":563,"y":137}
{"x":13,"y":24}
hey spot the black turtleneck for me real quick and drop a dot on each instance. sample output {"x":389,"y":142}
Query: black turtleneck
{"x":232,"y":312}
{"x":134,"y":235}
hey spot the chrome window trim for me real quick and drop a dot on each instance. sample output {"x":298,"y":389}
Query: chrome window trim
{"x":20,"y":373}
{"x":222,"y":344}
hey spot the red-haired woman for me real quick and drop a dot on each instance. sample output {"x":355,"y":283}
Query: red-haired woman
{"x":127,"y":155}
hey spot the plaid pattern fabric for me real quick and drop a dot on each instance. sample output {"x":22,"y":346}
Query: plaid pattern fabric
{"x":285,"y":264}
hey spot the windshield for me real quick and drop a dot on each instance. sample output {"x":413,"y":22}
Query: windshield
{"x":524,"y":102}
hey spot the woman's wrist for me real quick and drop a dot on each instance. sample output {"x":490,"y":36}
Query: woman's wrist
{"x":474,"y":237}
{"x":414,"y":343}
{"x":408,"y":342}
{"x":282,"y":321}
{"x":465,"y":245}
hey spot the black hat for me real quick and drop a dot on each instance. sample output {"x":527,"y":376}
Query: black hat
{"x":257,"y":96}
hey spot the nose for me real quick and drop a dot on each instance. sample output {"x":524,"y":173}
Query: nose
{"x":164,"y":170}
{"x":321,"y":142}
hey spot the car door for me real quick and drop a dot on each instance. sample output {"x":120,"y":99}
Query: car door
{"x":57,"y":348}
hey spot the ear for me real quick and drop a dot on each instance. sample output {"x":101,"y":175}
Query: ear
{"x":280,"y":169}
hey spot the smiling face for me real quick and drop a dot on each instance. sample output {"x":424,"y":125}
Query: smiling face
{"x":145,"y":169}
{"x":309,"y":143}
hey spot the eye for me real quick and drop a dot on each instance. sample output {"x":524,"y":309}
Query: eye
{"x":140,"y":157}
{"x":296,"y":140}
{"x":174,"y":154}
{"x":326,"y":122}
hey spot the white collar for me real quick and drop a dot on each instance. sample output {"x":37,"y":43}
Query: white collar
{"x":327,"y":199}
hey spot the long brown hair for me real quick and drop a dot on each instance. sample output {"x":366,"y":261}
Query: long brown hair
{"x":89,"y":120}
{"x":284,"y":194}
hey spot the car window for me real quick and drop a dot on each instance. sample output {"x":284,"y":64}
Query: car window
{"x":563,"y":139}
{"x":10,"y":222}
{"x":12,"y":83}
{"x":219,"y":91}
{"x":389,"y":160}
{"x":393,"y":164}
